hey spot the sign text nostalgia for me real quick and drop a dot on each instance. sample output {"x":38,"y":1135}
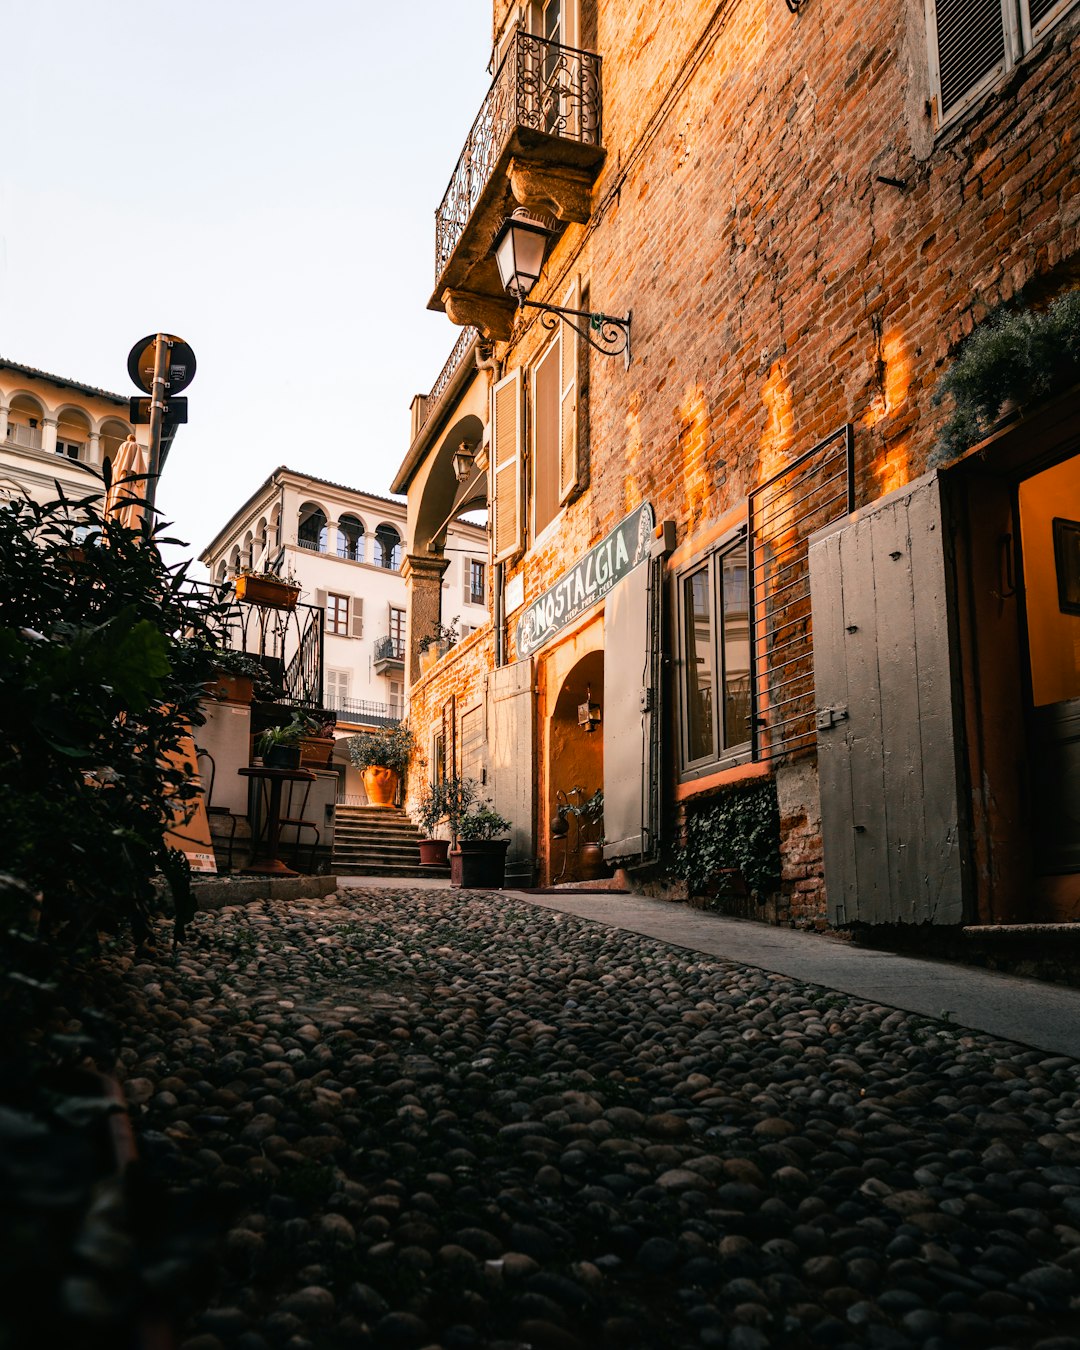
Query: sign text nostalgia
{"x":588,"y":581}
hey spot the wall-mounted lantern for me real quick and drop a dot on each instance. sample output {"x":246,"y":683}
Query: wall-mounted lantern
{"x":519,"y":249}
{"x":588,"y":713}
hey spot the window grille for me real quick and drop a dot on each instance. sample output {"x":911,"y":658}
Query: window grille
{"x":813,"y":491}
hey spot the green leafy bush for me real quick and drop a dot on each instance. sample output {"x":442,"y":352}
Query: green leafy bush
{"x":482,"y":822}
{"x":1016,"y":355}
{"x":739,"y":830}
{"x":389,"y":748}
{"x":97,"y":694}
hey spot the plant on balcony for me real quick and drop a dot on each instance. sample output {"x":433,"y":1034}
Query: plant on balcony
{"x":267,"y":589}
{"x":1015,"y":357}
{"x":437,"y":642}
{"x":383,"y":757}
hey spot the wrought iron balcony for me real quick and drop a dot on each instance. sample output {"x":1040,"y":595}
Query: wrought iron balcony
{"x":389,"y":654}
{"x":535,"y":142}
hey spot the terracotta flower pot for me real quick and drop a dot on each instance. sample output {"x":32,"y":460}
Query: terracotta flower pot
{"x":380,"y":785}
{"x":433,"y":852}
{"x":269,"y":594}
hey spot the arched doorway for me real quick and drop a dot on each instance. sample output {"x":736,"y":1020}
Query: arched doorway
{"x":574,"y":771}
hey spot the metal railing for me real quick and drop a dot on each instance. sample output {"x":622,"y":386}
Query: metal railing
{"x":367,"y":712}
{"x":813,"y":491}
{"x":449,"y":370}
{"x":389,"y":649}
{"x":540,"y":85}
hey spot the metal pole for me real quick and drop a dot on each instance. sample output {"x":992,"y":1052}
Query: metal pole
{"x":158,"y":390}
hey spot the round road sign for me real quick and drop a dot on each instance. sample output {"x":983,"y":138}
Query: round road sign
{"x":181,"y":364}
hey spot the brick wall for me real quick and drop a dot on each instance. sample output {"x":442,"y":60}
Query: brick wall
{"x":779,"y":287}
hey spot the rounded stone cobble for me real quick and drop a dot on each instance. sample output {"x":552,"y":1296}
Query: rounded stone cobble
{"x":443,"y":1120}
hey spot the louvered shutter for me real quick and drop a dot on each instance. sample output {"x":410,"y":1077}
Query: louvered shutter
{"x":320,"y":599}
{"x":506,"y":465}
{"x":967,"y":46}
{"x":568,"y":391}
{"x":356,"y":616}
{"x":466,"y":581}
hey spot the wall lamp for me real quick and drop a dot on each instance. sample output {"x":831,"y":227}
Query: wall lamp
{"x":588,"y":713}
{"x":464,"y":457}
{"x":519,"y":249}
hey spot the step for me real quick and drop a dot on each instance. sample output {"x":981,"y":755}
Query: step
{"x":373,"y":832}
{"x":379,"y":857}
{"x":392,"y":870}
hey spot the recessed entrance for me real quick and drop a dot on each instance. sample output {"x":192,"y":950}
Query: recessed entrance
{"x":574,"y":772}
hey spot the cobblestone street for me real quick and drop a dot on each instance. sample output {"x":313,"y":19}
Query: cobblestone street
{"x":432,"y":1119}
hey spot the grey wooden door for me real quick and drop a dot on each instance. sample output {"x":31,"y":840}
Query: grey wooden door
{"x":886,"y":714}
{"x":511,"y":759}
{"x":627,"y":717}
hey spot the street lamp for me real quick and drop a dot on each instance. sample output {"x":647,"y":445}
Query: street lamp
{"x":519,"y":249}
{"x":463,"y":459}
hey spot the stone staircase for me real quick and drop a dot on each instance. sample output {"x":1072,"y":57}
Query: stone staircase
{"x":378,"y":841}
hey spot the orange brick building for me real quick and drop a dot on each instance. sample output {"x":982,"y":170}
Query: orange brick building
{"x":736,"y":540}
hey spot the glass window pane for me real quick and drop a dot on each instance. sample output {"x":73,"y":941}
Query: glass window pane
{"x":698,"y":646}
{"x":736,"y":622}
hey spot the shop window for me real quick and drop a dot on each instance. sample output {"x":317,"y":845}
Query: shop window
{"x":973,"y":42}
{"x":714,"y":656}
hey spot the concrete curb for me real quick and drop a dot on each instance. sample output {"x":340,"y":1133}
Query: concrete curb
{"x":222,"y":891}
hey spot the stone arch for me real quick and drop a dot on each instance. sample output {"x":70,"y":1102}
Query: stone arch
{"x":312,"y":526}
{"x":26,"y":419}
{"x":350,"y":537}
{"x":73,"y":430}
{"x":389,"y":546}
{"x":443,"y":497}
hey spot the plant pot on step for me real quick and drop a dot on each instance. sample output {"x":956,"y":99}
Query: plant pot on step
{"x":433,"y":852}
{"x":479,"y":864}
{"x":380,"y":784}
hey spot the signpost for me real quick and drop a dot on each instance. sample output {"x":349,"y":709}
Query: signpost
{"x":162,"y":365}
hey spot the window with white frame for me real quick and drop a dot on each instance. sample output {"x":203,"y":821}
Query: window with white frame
{"x":714,"y":657}
{"x":337,"y":688}
{"x":69,"y":449}
{"x":974,"y":42}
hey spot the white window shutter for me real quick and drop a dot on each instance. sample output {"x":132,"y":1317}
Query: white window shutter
{"x":506,"y":466}
{"x":466,"y":580}
{"x":356,"y":617}
{"x":320,"y":599}
{"x":967,"y":48}
{"x":569,"y":474}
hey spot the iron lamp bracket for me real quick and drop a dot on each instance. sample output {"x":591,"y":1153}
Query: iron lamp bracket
{"x":605,"y":333}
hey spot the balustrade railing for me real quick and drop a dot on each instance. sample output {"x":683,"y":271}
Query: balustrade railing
{"x":540,"y":85}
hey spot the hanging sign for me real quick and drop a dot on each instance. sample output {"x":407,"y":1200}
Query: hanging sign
{"x":588,"y":581}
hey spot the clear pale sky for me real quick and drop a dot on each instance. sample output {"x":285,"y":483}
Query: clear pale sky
{"x":259,"y":179}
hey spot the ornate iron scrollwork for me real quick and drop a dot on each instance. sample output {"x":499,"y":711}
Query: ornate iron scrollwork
{"x":605,"y":333}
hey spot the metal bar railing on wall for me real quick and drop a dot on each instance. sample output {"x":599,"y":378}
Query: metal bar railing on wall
{"x":540,"y":85}
{"x":815,"y":490}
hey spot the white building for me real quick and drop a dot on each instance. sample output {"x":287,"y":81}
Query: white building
{"x":56,"y":430}
{"x":345,"y":549}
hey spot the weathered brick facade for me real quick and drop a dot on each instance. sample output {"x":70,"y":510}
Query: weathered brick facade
{"x":802,"y":248}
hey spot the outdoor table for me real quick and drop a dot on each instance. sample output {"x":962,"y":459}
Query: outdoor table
{"x":266,"y":863}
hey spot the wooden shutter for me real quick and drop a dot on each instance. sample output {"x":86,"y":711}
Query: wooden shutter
{"x":506,"y":466}
{"x":568,"y":388}
{"x":320,"y":599}
{"x":967,"y":48}
{"x":466,"y":581}
{"x":887,"y":733}
{"x":356,"y":616}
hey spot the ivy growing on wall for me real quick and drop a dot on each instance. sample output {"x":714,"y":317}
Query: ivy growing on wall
{"x":739,"y":830}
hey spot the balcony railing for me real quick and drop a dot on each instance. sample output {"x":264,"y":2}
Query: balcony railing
{"x":389,"y":649}
{"x":449,"y":370}
{"x":367,"y":712}
{"x":541,"y":86}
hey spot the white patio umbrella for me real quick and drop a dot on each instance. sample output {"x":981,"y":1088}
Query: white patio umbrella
{"x":125,"y":500}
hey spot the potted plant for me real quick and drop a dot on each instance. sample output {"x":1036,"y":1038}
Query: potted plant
{"x":317,"y":742}
{"x":478,"y":858}
{"x":382,"y":756}
{"x":434,"y":645}
{"x":280,"y":746}
{"x":431,"y":809}
{"x":267,"y":589}
{"x":590,"y":816}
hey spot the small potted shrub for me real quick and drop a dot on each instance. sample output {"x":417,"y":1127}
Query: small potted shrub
{"x":478,"y":859}
{"x":434,"y":645}
{"x":382,"y":757}
{"x":280,"y":746}
{"x":317,"y":742}
{"x":431,"y":809}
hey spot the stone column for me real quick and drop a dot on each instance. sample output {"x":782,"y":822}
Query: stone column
{"x":48,"y":435}
{"x":93,"y":449}
{"x":3,"y":422}
{"x":423,"y":573}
